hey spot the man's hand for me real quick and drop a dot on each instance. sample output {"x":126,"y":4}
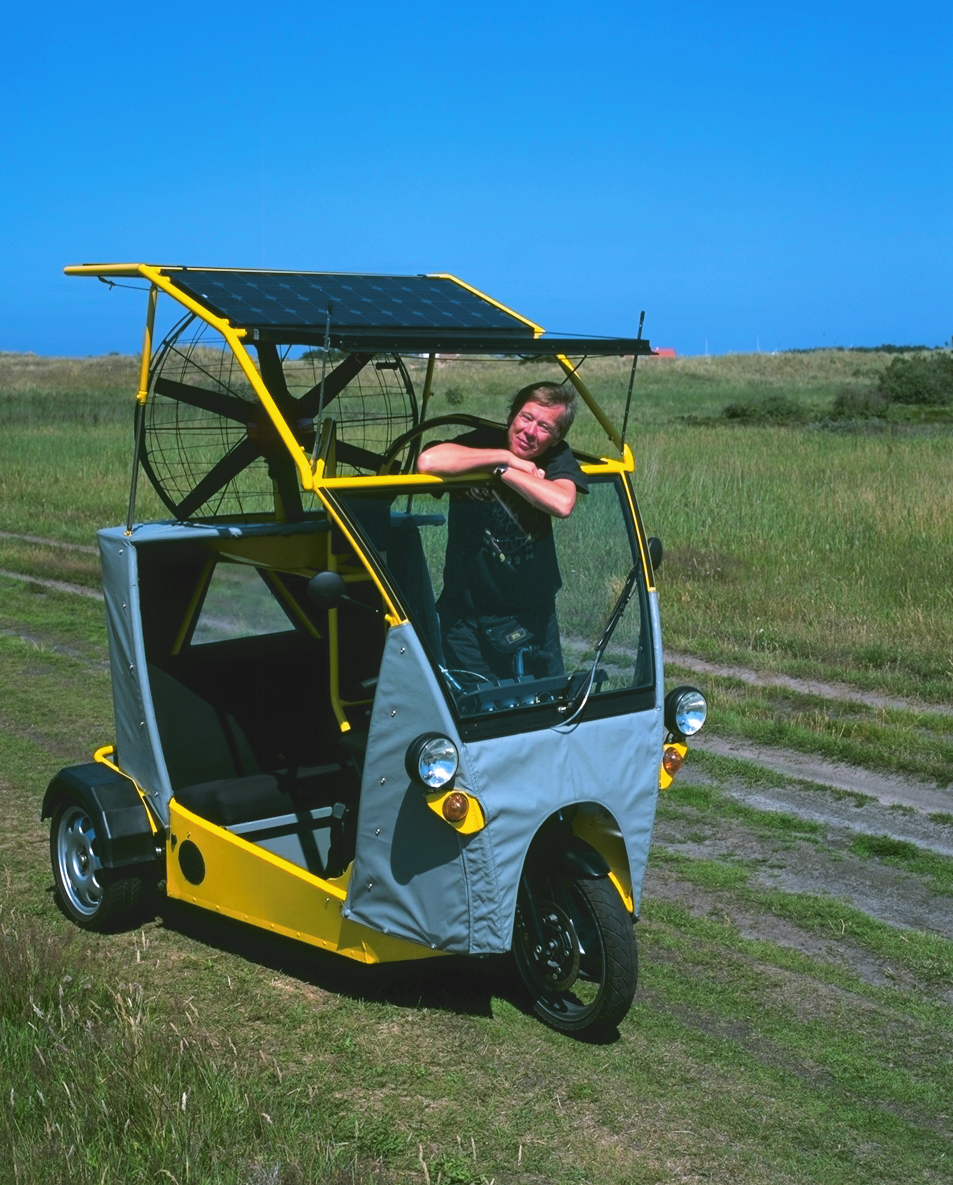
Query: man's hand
{"x":524,"y":466}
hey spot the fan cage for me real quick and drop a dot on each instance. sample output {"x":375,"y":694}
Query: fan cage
{"x":183,"y":442}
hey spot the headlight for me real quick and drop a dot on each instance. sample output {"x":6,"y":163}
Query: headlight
{"x":432,"y":760}
{"x":685,"y":711}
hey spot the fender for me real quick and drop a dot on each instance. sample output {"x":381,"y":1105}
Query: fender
{"x":558,"y":844}
{"x":123,"y":834}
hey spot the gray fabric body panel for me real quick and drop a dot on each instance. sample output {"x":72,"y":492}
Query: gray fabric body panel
{"x":408,"y":877}
{"x":458,"y":893}
{"x":137,"y":735}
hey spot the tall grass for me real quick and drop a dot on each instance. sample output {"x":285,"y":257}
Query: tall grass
{"x":94,"y":1088}
{"x":828,"y":549}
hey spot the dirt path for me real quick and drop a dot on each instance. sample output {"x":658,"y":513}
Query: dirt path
{"x":58,"y":585}
{"x":43,"y":542}
{"x":888,"y":789}
{"x":833,"y":691}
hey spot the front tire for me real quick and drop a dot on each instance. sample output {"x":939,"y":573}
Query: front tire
{"x":87,"y":894}
{"x":580,"y":963}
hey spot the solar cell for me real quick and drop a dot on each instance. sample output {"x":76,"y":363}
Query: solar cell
{"x":300,"y":300}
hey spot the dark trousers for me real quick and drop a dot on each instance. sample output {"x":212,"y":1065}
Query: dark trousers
{"x":467,"y":646}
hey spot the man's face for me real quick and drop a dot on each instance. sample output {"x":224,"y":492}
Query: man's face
{"x":534,"y":429}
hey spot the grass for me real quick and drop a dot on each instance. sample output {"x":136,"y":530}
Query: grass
{"x":804,"y":552}
{"x":297,"y":1067}
{"x":903,"y":741}
{"x":744,"y":1059}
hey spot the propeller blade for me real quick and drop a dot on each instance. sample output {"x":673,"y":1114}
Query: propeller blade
{"x":360,"y":458}
{"x":285,"y":476}
{"x":216,"y":402}
{"x":334,"y":384}
{"x":234,"y":461}
{"x":273,"y":375}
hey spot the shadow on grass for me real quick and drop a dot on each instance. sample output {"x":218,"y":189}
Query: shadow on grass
{"x":459,"y":984}
{"x":451,"y":983}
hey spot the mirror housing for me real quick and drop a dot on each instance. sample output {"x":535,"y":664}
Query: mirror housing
{"x":326,"y":590}
{"x":656,"y":551}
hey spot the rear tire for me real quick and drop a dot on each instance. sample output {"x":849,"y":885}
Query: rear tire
{"x":582,"y":969}
{"x":86,"y":893}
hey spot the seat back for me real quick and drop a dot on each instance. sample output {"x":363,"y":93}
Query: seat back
{"x":199,"y":743}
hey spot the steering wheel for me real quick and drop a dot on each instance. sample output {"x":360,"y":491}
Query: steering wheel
{"x":418,"y":430}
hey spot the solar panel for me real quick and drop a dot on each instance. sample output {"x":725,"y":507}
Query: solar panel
{"x":358,"y":302}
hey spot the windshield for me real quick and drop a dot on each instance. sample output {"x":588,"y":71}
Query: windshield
{"x":513,"y":607}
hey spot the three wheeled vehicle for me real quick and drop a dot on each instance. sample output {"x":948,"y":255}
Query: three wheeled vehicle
{"x":292,"y":748}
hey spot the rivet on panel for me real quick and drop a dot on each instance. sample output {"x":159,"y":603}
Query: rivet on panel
{"x":383,"y":780}
{"x":393,"y":711}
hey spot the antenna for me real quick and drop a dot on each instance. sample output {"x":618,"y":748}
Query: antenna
{"x":628,"y":398}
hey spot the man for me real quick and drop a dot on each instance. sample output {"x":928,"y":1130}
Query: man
{"x":498,"y":605}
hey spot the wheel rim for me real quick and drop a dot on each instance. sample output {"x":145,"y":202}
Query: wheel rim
{"x":77,"y":861}
{"x":569,"y":965}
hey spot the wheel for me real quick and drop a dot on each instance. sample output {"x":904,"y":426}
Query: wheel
{"x":417,"y":431}
{"x":88,"y":899}
{"x":581,"y":963}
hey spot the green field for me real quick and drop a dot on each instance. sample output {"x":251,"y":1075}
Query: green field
{"x":778,"y":1036}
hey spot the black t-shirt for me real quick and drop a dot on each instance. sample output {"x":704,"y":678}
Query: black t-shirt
{"x":501,"y":556}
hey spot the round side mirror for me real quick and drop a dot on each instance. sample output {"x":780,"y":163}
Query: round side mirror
{"x":655,"y":551}
{"x":326,"y":590}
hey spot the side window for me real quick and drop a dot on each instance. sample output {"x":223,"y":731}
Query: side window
{"x":238,"y":604}
{"x":595,"y":557}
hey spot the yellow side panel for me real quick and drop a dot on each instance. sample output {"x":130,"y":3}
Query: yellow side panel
{"x":250,"y":884}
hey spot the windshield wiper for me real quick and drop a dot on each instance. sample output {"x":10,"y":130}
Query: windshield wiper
{"x":581,"y":698}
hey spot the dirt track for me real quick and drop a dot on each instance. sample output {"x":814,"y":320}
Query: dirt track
{"x":847,"y":803}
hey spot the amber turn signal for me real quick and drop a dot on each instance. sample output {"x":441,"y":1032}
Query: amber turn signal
{"x":455,"y":807}
{"x":672,"y":760}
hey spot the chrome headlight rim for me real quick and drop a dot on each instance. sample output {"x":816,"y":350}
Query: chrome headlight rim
{"x":432,"y":761}
{"x":683,"y":707}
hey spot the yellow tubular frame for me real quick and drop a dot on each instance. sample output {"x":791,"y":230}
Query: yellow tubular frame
{"x":310,"y":480}
{"x":143,"y":392}
{"x":537,"y":329}
{"x":232,"y":335}
{"x":591,"y":403}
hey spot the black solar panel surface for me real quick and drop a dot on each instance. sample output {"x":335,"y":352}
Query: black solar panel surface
{"x":300,"y":299}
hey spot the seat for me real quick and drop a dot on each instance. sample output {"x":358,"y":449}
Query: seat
{"x":214,"y":774}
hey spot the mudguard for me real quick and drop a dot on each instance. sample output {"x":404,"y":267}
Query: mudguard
{"x":124,"y":837}
{"x":557,"y":845}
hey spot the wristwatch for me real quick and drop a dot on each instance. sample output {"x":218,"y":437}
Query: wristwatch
{"x":500,"y":469}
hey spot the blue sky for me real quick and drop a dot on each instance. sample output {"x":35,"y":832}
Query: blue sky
{"x":752,"y":175}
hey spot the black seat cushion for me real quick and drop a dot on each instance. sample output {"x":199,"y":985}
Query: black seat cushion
{"x":227,"y":801}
